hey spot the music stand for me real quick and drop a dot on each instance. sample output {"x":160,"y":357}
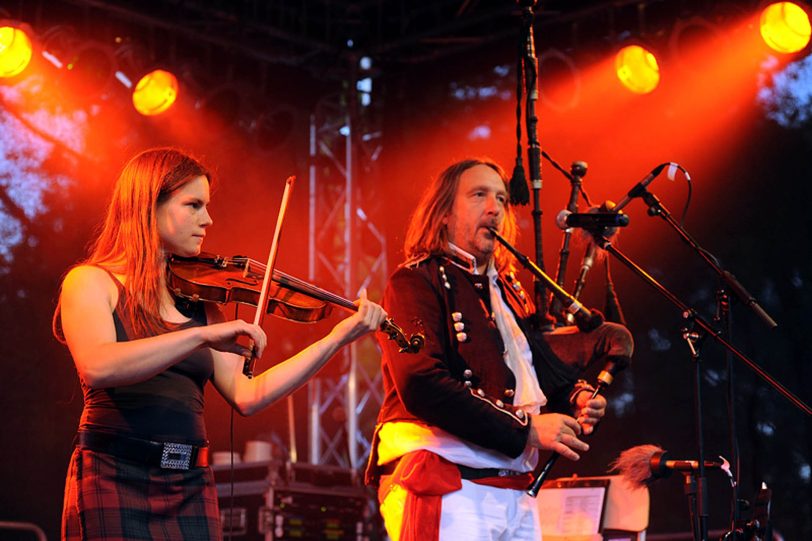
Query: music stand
{"x":593,"y":509}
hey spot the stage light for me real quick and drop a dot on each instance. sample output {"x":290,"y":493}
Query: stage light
{"x":637,"y":69}
{"x":59,"y":43}
{"x":86,"y":67}
{"x":563,"y":89}
{"x":93,"y":66}
{"x":785,"y":27}
{"x":155,"y":92}
{"x":15,"y":51}
{"x":690,"y":36}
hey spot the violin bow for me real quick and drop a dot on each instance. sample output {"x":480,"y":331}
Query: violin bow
{"x":251,"y":359}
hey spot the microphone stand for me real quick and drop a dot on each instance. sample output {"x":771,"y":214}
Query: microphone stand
{"x":692,"y":337}
{"x":724,"y":320}
{"x":689,"y":488}
{"x":696,"y":488}
{"x":656,"y":208}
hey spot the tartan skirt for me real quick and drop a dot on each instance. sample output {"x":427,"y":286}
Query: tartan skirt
{"x":118,"y":500}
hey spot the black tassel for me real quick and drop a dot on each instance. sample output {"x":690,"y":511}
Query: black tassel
{"x":519,"y":193}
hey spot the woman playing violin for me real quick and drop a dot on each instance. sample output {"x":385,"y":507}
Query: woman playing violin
{"x":140,"y":467}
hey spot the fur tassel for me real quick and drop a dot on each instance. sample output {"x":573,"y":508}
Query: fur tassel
{"x":635,"y":464}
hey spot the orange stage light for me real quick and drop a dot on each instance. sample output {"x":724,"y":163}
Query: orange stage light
{"x":785,"y":27}
{"x":637,"y":69}
{"x":155,"y":92}
{"x":15,"y":51}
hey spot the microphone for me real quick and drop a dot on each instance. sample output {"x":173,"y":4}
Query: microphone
{"x":590,"y":220}
{"x":648,"y":179}
{"x":644,"y":464}
{"x":661,"y":466}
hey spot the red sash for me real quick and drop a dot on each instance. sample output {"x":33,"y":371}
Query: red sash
{"x":427,"y":477}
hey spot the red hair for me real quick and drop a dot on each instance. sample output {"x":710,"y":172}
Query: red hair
{"x":427,"y":233}
{"x":128,"y":242}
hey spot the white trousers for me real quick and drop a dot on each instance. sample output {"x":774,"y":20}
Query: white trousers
{"x":474,"y":513}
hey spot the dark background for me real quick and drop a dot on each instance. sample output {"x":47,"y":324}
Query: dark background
{"x":443,"y":88}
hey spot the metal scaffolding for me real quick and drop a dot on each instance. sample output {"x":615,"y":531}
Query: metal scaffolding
{"x":344,"y":148}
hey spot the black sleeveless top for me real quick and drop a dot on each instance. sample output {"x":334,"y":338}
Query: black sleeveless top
{"x":166,"y":407}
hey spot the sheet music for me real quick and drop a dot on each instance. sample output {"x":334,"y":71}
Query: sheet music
{"x":571,"y":511}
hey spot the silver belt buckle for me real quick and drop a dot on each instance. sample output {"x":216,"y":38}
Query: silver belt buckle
{"x":176,"y":456}
{"x":506,"y":473}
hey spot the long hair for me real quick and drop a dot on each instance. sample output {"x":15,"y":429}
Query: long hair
{"x":128,"y":242}
{"x":427,"y":233}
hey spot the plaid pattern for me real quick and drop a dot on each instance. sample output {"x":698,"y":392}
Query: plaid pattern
{"x":115,"y":500}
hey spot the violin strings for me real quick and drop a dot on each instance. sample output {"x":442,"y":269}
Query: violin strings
{"x":288,"y":280}
{"x":305,"y":287}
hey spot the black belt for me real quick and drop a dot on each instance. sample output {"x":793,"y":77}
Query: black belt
{"x":472,"y":474}
{"x":170,"y":456}
{"x":466,"y":472}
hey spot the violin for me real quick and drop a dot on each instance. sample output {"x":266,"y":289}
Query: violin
{"x":214,"y":278}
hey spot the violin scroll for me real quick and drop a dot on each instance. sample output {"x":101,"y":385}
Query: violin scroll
{"x":416,"y":342}
{"x":412,"y":344}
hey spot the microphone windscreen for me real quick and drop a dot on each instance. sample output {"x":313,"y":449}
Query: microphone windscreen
{"x":634,"y":464}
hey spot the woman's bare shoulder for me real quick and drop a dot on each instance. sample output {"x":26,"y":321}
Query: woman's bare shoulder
{"x":90,"y":280}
